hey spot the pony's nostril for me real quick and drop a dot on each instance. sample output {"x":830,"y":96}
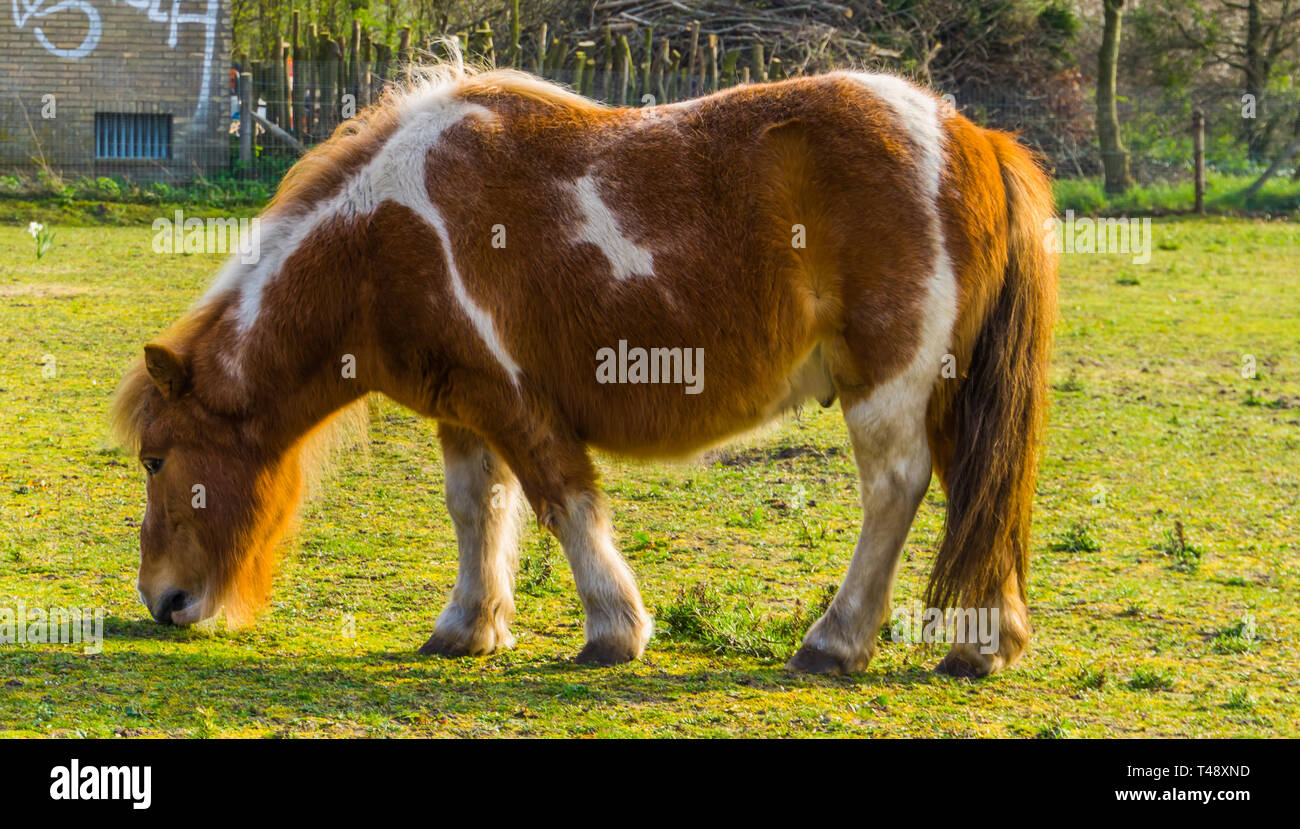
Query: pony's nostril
{"x":170,"y":602}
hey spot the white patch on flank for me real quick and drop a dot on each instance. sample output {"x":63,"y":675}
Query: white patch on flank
{"x":919,"y":114}
{"x":600,"y":228}
{"x":396,"y":174}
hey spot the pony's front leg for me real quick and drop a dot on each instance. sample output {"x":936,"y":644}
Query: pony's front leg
{"x":559,"y":481}
{"x":483,"y":499}
{"x":893,"y":459}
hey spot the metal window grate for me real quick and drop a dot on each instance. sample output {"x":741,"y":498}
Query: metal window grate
{"x":132,"y":135}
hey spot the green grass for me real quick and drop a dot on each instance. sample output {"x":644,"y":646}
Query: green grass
{"x":1150,"y":430}
{"x":86,"y":202}
{"x":227,"y":188}
{"x":1224,"y":193}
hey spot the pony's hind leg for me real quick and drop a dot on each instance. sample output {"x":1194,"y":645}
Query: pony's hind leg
{"x":893,"y":457}
{"x":483,"y":499}
{"x":976,"y":654}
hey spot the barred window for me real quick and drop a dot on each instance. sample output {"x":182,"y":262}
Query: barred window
{"x":132,"y":135}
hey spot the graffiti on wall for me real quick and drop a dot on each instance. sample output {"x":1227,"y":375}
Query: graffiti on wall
{"x":26,"y":11}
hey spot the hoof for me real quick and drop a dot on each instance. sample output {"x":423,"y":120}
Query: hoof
{"x":441,"y":644}
{"x":809,"y":660}
{"x":959,"y":668}
{"x":606,"y":653}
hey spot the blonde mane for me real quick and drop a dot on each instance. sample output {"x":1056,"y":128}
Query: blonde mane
{"x":126,"y":416}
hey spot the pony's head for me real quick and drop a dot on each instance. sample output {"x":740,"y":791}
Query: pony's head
{"x":220,"y":494}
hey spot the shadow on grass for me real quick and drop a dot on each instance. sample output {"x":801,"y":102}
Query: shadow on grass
{"x":116,"y":627}
{"x":158,"y":687}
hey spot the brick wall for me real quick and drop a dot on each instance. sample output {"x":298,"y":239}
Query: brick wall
{"x":121,"y":56}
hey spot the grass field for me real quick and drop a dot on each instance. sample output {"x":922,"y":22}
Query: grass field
{"x":1140,"y":630}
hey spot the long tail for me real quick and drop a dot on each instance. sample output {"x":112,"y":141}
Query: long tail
{"x":997,"y":416}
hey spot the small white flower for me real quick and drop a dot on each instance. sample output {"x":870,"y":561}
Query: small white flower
{"x":35,"y":228}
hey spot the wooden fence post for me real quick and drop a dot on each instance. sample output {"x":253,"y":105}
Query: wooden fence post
{"x":624,"y":70}
{"x":1198,"y":157}
{"x":341,"y":84}
{"x":363,"y":71}
{"x":607,"y":81}
{"x":486,"y":46}
{"x":539,"y":53}
{"x":329,"y":82}
{"x":279,"y":83}
{"x":516,"y":59}
{"x":555,"y":58}
{"x":246,"y":119}
{"x":729,"y":62}
{"x":579,"y":66}
{"x":354,"y":64}
{"x":759,"y":73}
{"x":674,"y":76}
{"x":404,"y":51}
{"x":312,"y":50}
{"x":713,"y":63}
{"x":660,"y":67}
{"x":648,"y":49}
{"x":692,"y":72}
{"x":259,"y":80}
{"x":298,"y":79}
{"x":382,"y":70}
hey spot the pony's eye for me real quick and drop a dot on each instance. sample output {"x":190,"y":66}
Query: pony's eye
{"x":152,"y":465}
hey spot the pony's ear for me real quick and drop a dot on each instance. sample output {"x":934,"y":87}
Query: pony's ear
{"x":169,"y":371}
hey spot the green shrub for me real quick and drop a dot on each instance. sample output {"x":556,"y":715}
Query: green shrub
{"x":1079,"y":538}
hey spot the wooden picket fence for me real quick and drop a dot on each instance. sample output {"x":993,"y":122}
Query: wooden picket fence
{"x":315,"y":80}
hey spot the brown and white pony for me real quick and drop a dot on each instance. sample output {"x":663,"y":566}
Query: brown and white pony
{"x":477,"y":246}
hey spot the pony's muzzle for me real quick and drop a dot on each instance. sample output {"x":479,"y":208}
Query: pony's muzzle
{"x":172,"y":601}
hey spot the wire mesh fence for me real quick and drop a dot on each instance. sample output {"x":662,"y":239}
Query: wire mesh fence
{"x":314,"y":81}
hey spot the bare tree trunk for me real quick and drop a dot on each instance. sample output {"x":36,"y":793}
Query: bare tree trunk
{"x":1114,"y":157}
{"x":1256,"y":78}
